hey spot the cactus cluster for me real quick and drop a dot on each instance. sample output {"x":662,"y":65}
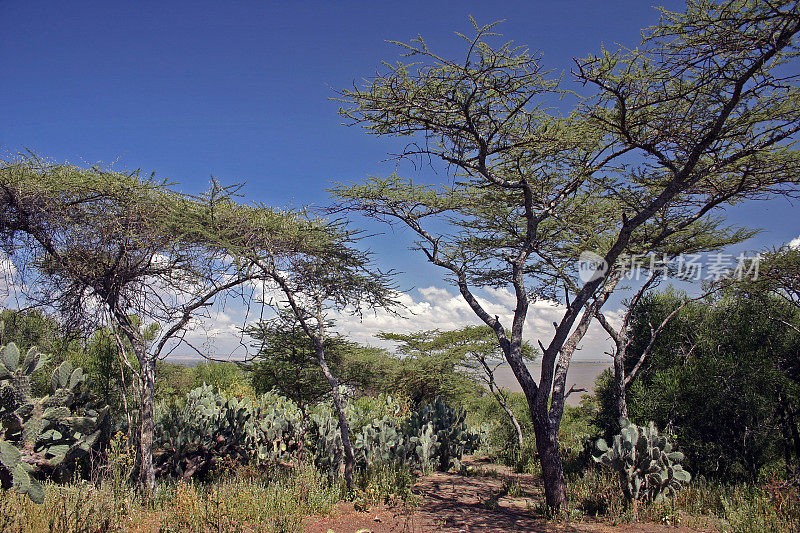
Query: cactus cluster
{"x":441,"y":434}
{"x":191,"y":440}
{"x":42,"y":437}
{"x":276,"y":430}
{"x":648,"y":466}
{"x":434,"y":436}
{"x":381,"y":441}
{"x":327,"y":441}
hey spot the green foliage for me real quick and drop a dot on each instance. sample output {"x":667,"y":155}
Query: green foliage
{"x":193,"y":440}
{"x":327,"y":441}
{"x":221,"y":376}
{"x":454,"y":365}
{"x":286,"y":362}
{"x":648,"y":467}
{"x":381,"y":441}
{"x":107,"y":376}
{"x":42,"y":436}
{"x":723,"y":374}
{"x":174,"y":381}
{"x":498,"y":435}
{"x":32,"y":328}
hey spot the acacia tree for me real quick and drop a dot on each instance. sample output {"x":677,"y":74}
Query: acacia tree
{"x":286,"y":360}
{"x":700,"y":116}
{"x":326,"y":272}
{"x":472,"y":350}
{"x":123,"y":250}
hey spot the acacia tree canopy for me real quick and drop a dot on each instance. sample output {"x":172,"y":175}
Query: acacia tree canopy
{"x":104,"y":247}
{"x":700,"y":116}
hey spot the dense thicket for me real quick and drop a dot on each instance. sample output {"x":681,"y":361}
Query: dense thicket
{"x":723,"y":376}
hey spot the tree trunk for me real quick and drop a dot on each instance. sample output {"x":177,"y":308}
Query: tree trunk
{"x":545,"y":430}
{"x":147,"y":477}
{"x":344,"y":425}
{"x":510,"y":413}
{"x":555,"y":488}
{"x":620,"y":396}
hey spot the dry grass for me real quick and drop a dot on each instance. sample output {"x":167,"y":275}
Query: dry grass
{"x":702,"y":505}
{"x":230,"y":505}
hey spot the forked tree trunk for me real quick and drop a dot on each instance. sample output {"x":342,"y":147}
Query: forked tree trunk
{"x":545,"y":431}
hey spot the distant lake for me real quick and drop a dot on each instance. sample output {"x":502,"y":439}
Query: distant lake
{"x":581,"y":374}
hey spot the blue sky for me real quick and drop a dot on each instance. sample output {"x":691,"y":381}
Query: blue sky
{"x":241,"y":90}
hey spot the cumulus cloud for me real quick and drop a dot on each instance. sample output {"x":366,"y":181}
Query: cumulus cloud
{"x":795,"y":243}
{"x":219,"y":334}
{"x":438,"y":308}
{"x":10,"y":280}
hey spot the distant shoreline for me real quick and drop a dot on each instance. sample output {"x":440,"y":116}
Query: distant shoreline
{"x":581,"y":374}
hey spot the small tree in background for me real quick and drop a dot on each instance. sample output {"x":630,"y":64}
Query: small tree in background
{"x":306,"y":283}
{"x":287,"y":362}
{"x":455,"y":360}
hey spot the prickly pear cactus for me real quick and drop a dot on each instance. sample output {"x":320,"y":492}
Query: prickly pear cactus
{"x":276,"y":430}
{"x":381,"y":442}
{"x":327,"y":442}
{"x":441,"y":432}
{"x":434,"y":436}
{"x":648,"y":466}
{"x":42,"y":437}
{"x":193,"y":439}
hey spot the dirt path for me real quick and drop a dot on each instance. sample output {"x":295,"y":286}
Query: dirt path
{"x":490,"y":499}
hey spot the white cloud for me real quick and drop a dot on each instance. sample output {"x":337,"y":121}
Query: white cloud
{"x":438,"y":308}
{"x":11,"y":284}
{"x":795,"y":243}
{"x":219,"y":333}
